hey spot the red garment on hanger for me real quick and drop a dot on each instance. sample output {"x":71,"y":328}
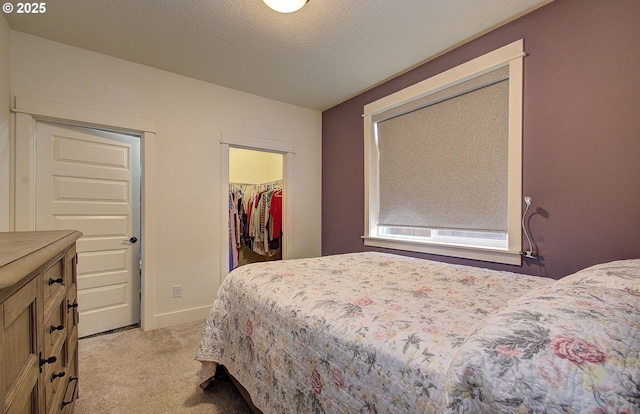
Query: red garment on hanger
{"x":276,"y":213}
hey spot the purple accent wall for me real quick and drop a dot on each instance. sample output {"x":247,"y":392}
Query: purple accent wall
{"x":581,"y":149}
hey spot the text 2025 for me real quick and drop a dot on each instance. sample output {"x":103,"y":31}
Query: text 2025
{"x":31,"y":8}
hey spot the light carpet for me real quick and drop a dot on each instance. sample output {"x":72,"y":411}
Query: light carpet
{"x":150,"y":372}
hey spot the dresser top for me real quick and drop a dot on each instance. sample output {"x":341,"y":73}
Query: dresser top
{"x":25,"y":251}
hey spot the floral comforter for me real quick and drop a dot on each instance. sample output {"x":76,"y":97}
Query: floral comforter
{"x":569,"y":347}
{"x":362,"y":332}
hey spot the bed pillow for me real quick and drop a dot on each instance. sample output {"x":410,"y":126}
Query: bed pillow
{"x":566,"y":347}
{"x":621,"y":274}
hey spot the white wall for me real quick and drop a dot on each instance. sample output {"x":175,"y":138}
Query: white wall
{"x":190,"y":117}
{"x":5,"y":100}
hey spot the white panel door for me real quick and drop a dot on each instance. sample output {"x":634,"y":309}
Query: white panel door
{"x":88,"y":180}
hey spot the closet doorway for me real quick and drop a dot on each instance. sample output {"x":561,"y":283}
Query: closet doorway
{"x":255,"y":206}
{"x":285,"y":152}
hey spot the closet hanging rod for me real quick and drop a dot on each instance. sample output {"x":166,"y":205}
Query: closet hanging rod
{"x":257,"y":184}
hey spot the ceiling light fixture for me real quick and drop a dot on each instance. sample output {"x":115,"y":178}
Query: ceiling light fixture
{"x":285,"y":6}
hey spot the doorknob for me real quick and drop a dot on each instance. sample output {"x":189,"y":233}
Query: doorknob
{"x":132,"y":240}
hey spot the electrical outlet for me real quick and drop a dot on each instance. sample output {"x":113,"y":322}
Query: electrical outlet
{"x":177,"y":291}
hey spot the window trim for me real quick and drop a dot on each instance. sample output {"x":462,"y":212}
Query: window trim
{"x":510,"y":55}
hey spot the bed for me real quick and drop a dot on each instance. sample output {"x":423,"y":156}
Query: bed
{"x":375,"y":332}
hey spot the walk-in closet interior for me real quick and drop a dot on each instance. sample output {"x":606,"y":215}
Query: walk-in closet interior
{"x":255,"y":206}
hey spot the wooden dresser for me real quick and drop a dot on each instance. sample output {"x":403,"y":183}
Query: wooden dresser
{"x":38,"y":322}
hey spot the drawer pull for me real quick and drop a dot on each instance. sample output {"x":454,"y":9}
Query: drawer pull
{"x":57,"y":375}
{"x":73,"y":393}
{"x":55,"y":328}
{"x":49,"y":360}
{"x":53,"y":281}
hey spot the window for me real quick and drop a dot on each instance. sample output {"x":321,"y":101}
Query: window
{"x":443,"y":162}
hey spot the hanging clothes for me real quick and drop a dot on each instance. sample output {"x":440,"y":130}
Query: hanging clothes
{"x":234,"y":245}
{"x":256,"y":221}
{"x":276,"y":213}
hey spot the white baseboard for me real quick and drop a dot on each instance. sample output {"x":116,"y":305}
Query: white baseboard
{"x":174,"y":318}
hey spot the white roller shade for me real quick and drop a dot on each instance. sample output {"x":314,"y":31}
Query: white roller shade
{"x":460,"y":136}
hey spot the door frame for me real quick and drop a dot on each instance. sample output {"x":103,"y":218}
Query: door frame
{"x":234,"y":140}
{"x":23,"y":208}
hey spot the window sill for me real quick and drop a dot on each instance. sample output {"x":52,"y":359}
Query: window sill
{"x":475,"y":253}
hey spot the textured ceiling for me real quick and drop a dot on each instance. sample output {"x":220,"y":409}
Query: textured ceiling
{"x":320,"y":56}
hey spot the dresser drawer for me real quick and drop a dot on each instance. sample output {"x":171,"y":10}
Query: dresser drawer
{"x":53,"y":280}
{"x":71,"y":387}
{"x":72,"y":339}
{"x":54,"y":327}
{"x":55,"y":375}
{"x":73,"y":317}
{"x":70,"y":269}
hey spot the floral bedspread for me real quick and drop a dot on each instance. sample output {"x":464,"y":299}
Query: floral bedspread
{"x":569,"y":347}
{"x":362,"y":332}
